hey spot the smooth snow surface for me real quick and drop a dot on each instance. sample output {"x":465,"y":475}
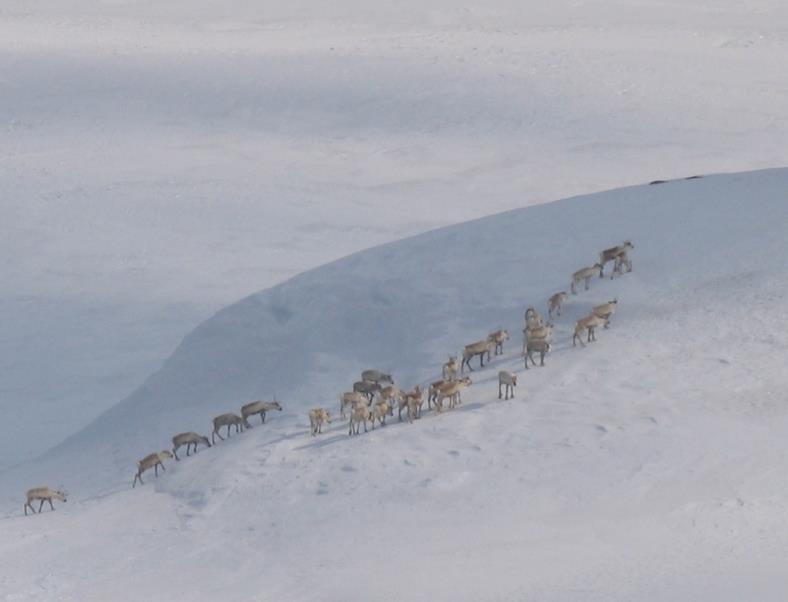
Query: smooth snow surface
{"x":646,"y":466}
{"x":161,"y":159}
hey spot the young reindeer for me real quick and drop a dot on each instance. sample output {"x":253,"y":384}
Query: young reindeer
{"x":612,"y":254}
{"x":605,"y":310}
{"x":317,"y":417}
{"x":153,"y":460}
{"x":45,"y":494}
{"x":227,"y":420}
{"x":498,"y":337}
{"x":590,"y":323}
{"x":415,"y":401}
{"x":379,"y":412}
{"x":411,"y":402}
{"x":508,"y":380}
{"x":360,"y":414}
{"x":479,"y":348}
{"x":258,"y":407}
{"x":584,"y":275}
{"x":450,"y":369}
{"x":188,"y":439}
{"x":555,"y":303}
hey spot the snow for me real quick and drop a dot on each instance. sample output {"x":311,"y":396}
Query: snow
{"x":160,"y":160}
{"x":646,"y":465}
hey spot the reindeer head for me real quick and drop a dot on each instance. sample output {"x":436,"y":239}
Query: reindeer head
{"x":277,"y":406}
{"x":205,"y":441}
{"x":60,"y":495}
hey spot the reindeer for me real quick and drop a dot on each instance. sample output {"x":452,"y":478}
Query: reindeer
{"x":258,"y":407}
{"x":584,"y":275}
{"x":479,"y":348}
{"x":605,"y":310}
{"x":45,"y":494}
{"x":380,"y":410}
{"x":434,"y":390}
{"x":411,"y":402}
{"x":540,"y":346}
{"x":498,"y":337}
{"x":451,"y":391}
{"x":622,"y":259}
{"x":508,"y":380}
{"x":317,"y":417}
{"x":532,"y":317}
{"x":390,"y":395}
{"x":450,"y":369}
{"x":542,"y":333}
{"x":554,"y":304}
{"x":188,"y":439}
{"x":589,"y":323}
{"x":376,"y":376}
{"x":227,"y":420}
{"x":153,"y":460}
{"x":359,"y":414}
{"x":611,"y":254}
{"x":350,"y":399}
{"x":367,"y":388}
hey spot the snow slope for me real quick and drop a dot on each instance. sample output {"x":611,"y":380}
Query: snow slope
{"x":159,"y":160}
{"x":646,"y":466}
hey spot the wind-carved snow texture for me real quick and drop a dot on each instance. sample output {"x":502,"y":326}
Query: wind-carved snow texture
{"x":644,"y":466}
{"x":160,"y":160}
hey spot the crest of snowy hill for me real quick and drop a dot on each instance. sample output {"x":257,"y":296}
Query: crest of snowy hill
{"x":404,"y":307}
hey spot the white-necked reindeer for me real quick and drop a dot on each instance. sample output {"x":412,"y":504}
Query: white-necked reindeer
{"x":227,"y":420}
{"x":188,"y":439}
{"x":612,"y":254}
{"x":45,"y":494}
{"x":499,"y":337}
{"x":480,"y":348}
{"x":605,"y":310}
{"x":590,"y":323}
{"x":584,"y":275}
{"x":508,"y":380}
{"x":258,"y":407}
{"x":153,"y":460}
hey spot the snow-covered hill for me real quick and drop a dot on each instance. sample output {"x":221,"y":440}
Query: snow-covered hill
{"x":159,"y":160}
{"x":645,"y":466}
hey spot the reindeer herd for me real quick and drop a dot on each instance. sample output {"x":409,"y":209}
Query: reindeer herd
{"x":375,"y":396}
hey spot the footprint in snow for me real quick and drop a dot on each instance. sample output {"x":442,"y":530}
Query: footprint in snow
{"x":454,"y":453}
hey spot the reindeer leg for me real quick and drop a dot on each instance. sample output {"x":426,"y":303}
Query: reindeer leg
{"x":41,"y":505}
{"x":51,"y":507}
{"x":262,"y":416}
